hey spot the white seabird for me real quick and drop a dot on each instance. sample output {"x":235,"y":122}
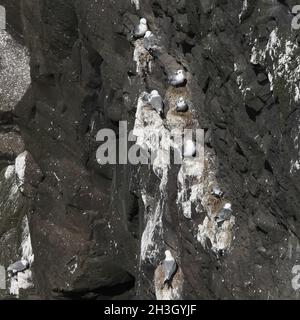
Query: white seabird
{"x":141,"y":29}
{"x":150,"y":41}
{"x":18,"y":266}
{"x":169,"y":267}
{"x":217,"y":192}
{"x":225,"y":213}
{"x":189,"y":149}
{"x":177,"y":78}
{"x":156,"y":101}
{"x":182,"y":105}
{"x":146,"y":97}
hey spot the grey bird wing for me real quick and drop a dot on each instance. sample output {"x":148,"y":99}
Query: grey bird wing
{"x":146,"y":97}
{"x":224,"y":214}
{"x":147,"y":43}
{"x":150,"y":43}
{"x":137,"y":31}
{"x":157,"y":103}
{"x":172,"y":78}
{"x":169,"y":269}
{"x":18,"y":266}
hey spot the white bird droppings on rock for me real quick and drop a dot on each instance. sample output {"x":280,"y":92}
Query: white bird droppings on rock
{"x":285,"y":61}
{"x":26,"y":246}
{"x":9,"y":172}
{"x":142,"y":57}
{"x":219,"y":234}
{"x":20,"y":165}
{"x":244,"y":8}
{"x":190,"y":180}
{"x":152,"y":231}
{"x":23,"y":280}
{"x":136,"y":3}
{"x":190,"y":186}
{"x":295,"y":162}
{"x":153,"y":136}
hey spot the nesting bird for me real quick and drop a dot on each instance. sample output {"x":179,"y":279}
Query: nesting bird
{"x":189,"y":149}
{"x":225,"y":213}
{"x":17,"y":267}
{"x":182,"y":105}
{"x":150,"y":41}
{"x":146,"y":97}
{"x":156,"y":101}
{"x":217,"y":192}
{"x":178,"y":78}
{"x":169,"y":267}
{"x":141,"y":29}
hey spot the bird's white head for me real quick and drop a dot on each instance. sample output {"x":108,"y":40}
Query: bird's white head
{"x":168,"y":255}
{"x":217,"y":190}
{"x":181,"y":99}
{"x":189,"y":148}
{"x":143,"y":21}
{"x":154,"y":93}
{"x":24,"y":262}
{"x":180,"y":72}
{"x":190,"y":144}
{"x":227,"y":206}
{"x":148,"y":34}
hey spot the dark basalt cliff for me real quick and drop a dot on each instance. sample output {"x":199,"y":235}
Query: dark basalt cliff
{"x":90,"y":225}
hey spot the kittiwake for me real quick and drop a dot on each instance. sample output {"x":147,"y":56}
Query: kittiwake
{"x":217,"y":192}
{"x":181,"y":105}
{"x":150,"y":41}
{"x":169,"y":267}
{"x":156,"y":101}
{"x":146,"y":97}
{"x":189,"y":149}
{"x":18,"y":266}
{"x":141,"y":29}
{"x":178,"y":78}
{"x":225,"y":213}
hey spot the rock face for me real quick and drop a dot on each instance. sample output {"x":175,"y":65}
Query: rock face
{"x":100,"y":231}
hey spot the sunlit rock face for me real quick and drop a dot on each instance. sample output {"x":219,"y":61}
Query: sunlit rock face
{"x":14,"y":71}
{"x":15,"y":242}
{"x":107,"y":226}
